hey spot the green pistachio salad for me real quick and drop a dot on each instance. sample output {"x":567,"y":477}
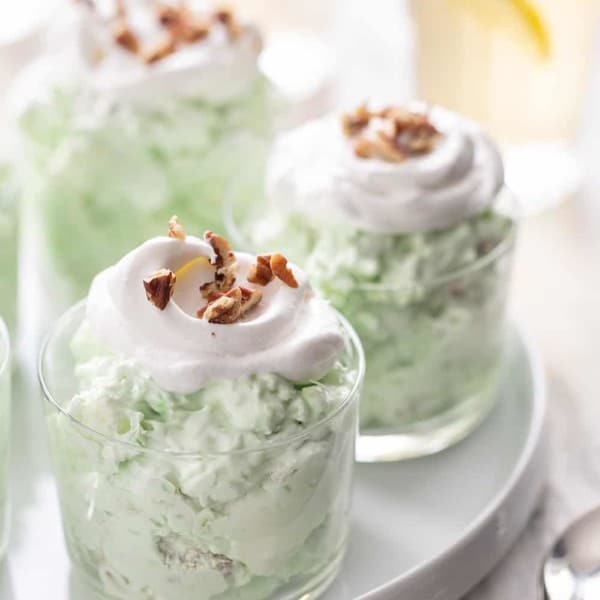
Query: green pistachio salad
{"x":202,"y":409}
{"x":8,"y":247}
{"x":393,"y":213}
{"x":136,"y":110}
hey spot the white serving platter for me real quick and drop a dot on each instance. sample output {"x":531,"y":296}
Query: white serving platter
{"x":427,"y":529}
{"x":430,"y":529}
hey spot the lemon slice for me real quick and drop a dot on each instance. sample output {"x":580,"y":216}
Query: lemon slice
{"x":189,"y":267}
{"x":520,"y":18}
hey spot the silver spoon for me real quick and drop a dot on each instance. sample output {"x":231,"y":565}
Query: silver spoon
{"x":572,"y":569}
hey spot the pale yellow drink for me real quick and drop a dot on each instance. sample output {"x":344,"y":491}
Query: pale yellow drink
{"x":518,"y":71}
{"x":314,"y":16}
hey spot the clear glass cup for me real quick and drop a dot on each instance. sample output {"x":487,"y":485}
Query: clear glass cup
{"x":434,"y":348}
{"x":102,"y":172}
{"x":84,"y":219}
{"x":5,"y":416}
{"x":483,"y":59}
{"x":261,"y":523}
{"x":8,"y":247}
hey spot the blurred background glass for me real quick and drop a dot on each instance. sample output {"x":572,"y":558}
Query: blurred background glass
{"x":519,"y":67}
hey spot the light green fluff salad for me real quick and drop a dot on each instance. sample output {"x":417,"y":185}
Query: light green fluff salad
{"x":119,"y":400}
{"x":429,"y":346}
{"x":8,"y":246}
{"x":104,"y":177}
{"x":243,"y":525}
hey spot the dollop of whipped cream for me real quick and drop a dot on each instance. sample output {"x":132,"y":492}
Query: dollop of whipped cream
{"x":218,"y":67}
{"x":290,"y":332}
{"x":316,"y":168}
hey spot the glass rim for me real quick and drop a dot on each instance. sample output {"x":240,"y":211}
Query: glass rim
{"x":498,"y":251}
{"x":353,"y":340}
{"x":6,"y":343}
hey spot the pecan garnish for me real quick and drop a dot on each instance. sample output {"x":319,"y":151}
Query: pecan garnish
{"x":181,"y":23}
{"x":123,"y":35}
{"x":228,"y":308}
{"x":250,"y":298}
{"x":226,"y":17}
{"x":392,"y":134}
{"x":176,"y":229}
{"x":260,"y":272}
{"x":412,"y":132}
{"x":280,"y":269}
{"x":354,"y":122}
{"x":225,"y":263}
{"x":159,"y":287}
{"x":162,"y":49}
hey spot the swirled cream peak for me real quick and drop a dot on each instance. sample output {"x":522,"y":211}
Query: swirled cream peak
{"x":190,"y":310}
{"x":145,"y":50}
{"x":388,"y":171}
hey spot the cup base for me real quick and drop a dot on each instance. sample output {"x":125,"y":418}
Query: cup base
{"x":83,"y":585}
{"x":426,"y":438}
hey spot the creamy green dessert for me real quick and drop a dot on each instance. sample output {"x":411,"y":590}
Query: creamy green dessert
{"x":393,"y":215}
{"x":8,"y":247}
{"x":208,"y":449}
{"x":147,"y":111}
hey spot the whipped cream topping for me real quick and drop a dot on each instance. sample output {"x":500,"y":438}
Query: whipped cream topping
{"x":315,"y":168}
{"x":216,"y":68}
{"x":291,"y":332}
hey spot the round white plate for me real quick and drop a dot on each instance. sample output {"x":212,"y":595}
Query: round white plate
{"x":431,"y":528}
{"x":422,"y":530}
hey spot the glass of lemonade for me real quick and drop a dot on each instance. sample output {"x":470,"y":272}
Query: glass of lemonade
{"x":519,"y":67}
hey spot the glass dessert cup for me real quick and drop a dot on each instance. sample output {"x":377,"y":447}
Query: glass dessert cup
{"x":5,"y":416}
{"x":434,"y":352}
{"x":428,"y":308}
{"x":119,"y":181}
{"x":8,"y":248}
{"x":254,"y":523}
{"x":114,"y":144}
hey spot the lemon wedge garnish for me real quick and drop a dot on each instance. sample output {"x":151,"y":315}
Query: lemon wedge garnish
{"x":520,"y":18}
{"x":182,"y":272}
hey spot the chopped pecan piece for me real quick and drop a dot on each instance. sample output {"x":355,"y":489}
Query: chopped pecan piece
{"x":282,"y":271}
{"x":222,"y":248}
{"x":226,"y":17}
{"x":181,"y":23}
{"x":354,"y":122}
{"x":395,"y":135}
{"x":414,"y":133}
{"x":260,"y":272}
{"x":363,"y":148}
{"x":175,"y":229}
{"x":225,"y":263}
{"x":159,"y":287}
{"x":386,"y":148}
{"x":123,"y":35}
{"x":162,"y":49}
{"x":250,"y":298}
{"x":227,"y":309}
